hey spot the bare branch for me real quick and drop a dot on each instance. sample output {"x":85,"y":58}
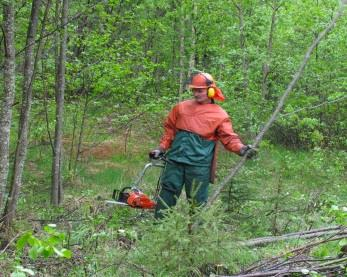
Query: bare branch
{"x":297,"y":235}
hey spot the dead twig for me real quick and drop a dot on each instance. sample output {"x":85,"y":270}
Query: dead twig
{"x":10,"y":242}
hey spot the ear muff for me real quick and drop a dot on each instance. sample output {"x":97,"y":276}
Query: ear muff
{"x":211,"y":92}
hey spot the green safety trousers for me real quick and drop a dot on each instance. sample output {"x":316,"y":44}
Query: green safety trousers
{"x":175,"y":176}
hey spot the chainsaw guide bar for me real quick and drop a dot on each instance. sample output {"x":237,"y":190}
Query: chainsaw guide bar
{"x":113,"y":202}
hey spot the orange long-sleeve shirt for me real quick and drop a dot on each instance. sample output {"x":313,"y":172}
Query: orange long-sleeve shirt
{"x":209,"y":121}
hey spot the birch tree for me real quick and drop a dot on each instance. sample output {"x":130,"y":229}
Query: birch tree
{"x":22,"y":143}
{"x":9,"y":93}
{"x":57,"y":188}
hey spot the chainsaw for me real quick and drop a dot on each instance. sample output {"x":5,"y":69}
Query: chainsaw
{"x":132,"y":196}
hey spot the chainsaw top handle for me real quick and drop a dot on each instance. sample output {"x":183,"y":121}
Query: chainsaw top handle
{"x":152,"y":156}
{"x":154,"y":160}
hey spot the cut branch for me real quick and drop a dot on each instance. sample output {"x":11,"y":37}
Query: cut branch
{"x":297,"y":235}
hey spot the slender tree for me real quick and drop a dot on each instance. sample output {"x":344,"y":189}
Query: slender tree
{"x":57,"y":187}
{"x":9,"y":93}
{"x":82,"y":127}
{"x":275,"y":6}
{"x":193,"y":38}
{"x":182,"y":48}
{"x":242,"y":41}
{"x":22,"y":143}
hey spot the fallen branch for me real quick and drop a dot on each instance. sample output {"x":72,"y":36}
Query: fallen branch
{"x":297,"y":235}
{"x":10,"y":242}
{"x":284,"y":272}
{"x":296,"y":251}
{"x":298,"y":261}
{"x":282,"y":260}
{"x":264,"y":274}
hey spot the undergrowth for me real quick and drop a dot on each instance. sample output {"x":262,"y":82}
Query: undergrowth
{"x":280,"y":191}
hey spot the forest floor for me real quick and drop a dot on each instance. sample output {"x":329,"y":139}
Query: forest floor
{"x":281,"y":191}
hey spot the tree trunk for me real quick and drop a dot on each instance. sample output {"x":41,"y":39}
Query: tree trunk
{"x":57,"y":187}
{"x":266,"y":65}
{"x":22,"y":143}
{"x":244,"y":58}
{"x":193,"y":38}
{"x":9,"y":93}
{"x":81,"y":133}
{"x":74,"y":124}
{"x":182,"y":38}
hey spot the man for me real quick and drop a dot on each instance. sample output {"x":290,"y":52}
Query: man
{"x":192,"y":130}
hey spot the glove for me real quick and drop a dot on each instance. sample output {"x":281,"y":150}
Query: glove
{"x":249,"y":150}
{"x":155,"y":154}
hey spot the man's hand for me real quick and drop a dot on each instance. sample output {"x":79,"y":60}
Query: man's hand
{"x":156,"y":153}
{"x":248,"y":150}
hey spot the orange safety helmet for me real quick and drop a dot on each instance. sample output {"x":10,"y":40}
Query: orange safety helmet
{"x":205,"y":80}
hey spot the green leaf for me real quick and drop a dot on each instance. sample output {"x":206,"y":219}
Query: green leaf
{"x":22,"y":270}
{"x":23,"y":240}
{"x":53,"y":240}
{"x":18,"y":274}
{"x":33,"y":241}
{"x":47,"y":251}
{"x":58,"y":252}
{"x":33,"y":253}
{"x":322,"y":253}
{"x":342,"y":242}
{"x":66,"y":253}
{"x":50,"y":229}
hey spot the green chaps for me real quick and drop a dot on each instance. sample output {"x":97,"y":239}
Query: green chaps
{"x":175,"y":176}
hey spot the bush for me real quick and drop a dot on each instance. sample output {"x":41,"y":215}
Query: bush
{"x":169,"y":248}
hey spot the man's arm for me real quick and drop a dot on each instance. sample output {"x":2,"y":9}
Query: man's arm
{"x":232,"y":142}
{"x":228,"y":137}
{"x":169,"y":129}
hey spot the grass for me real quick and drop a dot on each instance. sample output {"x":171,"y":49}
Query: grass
{"x":280,"y":191}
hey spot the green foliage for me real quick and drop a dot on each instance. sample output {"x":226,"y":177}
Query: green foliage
{"x":282,"y":191}
{"x":125,"y":58}
{"x":169,"y":248}
{"x":337,"y":215}
{"x":47,"y":246}
{"x":22,"y":272}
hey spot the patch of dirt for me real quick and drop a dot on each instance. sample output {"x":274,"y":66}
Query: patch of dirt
{"x":100,"y":166}
{"x":103,"y":150}
{"x":33,"y":168}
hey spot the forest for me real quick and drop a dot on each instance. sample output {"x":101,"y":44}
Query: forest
{"x":85,"y":89}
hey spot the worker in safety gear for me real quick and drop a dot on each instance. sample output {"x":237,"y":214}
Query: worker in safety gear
{"x":192,"y":130}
